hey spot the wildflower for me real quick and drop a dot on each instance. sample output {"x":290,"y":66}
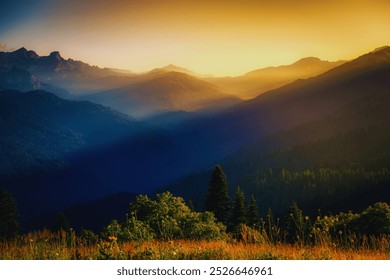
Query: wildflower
{"x":306,"y":218}
{"x":340,"y":232}
{"x":112,"y":238}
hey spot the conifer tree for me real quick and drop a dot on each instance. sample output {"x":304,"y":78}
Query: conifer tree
{"x":297,"y":226}
{"x":239,"y":209}
{"x":218,"y":198}
{"x":253,"y":218}
{"x":270,"y":226}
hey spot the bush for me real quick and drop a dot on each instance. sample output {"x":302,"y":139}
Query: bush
{"x":135,"y":230}
{"x":89,"y":237}
{"x":375,"y":220}
{"x":165,"y":218}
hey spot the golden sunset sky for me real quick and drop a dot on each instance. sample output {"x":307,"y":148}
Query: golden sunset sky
{"x":209,"y":37}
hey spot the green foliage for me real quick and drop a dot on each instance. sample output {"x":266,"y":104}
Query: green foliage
{"x":271,"y":229}
{"x":114,"y":229}
{"x":162,"y":215}
{"x":218,"y":200}
{"x":239,"y":209}
{"x":322,"y":188}
{"x":89,"y":237}
{"x":297,"y":227}
{"x":165,"y":218}
{"x":136,"y":230}
{"x":202,"y":226}
{"x":9,"y":215}
{"x":336,"y":164}
{"x":375,"y":220}
{"x":353,"y":229}
{"x":253,"y":217}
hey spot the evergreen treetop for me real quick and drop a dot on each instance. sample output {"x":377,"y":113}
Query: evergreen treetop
{"x":239,"y":209}
{"x":218,"y":198}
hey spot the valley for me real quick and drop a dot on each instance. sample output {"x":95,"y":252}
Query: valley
{"x":314,"y":132}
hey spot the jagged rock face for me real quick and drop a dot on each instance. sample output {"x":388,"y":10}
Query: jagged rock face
{"x":26,"y":70}
{"x":48,"y":66}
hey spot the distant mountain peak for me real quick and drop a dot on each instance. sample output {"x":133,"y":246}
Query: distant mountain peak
{"x":308,"y":60}
{"x":56,"y":55}
{"x":175,"y":68}
{"x":23,"y":52}
{"x":172,"y":66}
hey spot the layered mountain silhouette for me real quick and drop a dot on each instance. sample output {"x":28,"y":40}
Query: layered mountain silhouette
{"x":161,"y":90}
{"x":79,"y":150}
{"x":305,"y":100}
{"x":51,"y":147}
{"x":165,"y":91}
{"x":259,"y":81}
{"x":334,"y":125}
{"x":53,"y":70}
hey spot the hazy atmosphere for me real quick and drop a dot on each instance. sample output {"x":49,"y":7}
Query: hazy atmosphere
{"x":195,"y":130}
{"x":209,"y":37}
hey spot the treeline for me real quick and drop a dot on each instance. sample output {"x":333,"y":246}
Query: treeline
{"x":347,"y":171}
{"x":329,"y":189}
{"x":167,"y":217}
{"x":343,"y":171}
{"x":294,"y":225}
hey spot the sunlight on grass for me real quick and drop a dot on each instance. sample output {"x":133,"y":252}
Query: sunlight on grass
{"x":47,"y":245}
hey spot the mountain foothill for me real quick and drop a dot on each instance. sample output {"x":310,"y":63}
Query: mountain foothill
{"x":73,"y":135}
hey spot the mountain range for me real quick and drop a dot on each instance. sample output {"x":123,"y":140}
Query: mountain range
{"x":165,"y":91}
{"x":259,"y":81}
{"x":334,"y":123}
{"x":162,"y":90}
{"x":58,"y":146}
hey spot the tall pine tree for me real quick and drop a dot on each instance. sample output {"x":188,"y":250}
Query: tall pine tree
{"x":253,"y":218}
{"x":218,"y":200}
{"x":270,"y":226}
{"x":239,"y":209}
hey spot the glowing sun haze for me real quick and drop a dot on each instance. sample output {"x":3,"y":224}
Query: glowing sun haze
{"x":216,"y":37}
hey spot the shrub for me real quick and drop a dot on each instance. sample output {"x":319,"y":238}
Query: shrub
{"x":166,"y":218}
{"x":375,"y":220}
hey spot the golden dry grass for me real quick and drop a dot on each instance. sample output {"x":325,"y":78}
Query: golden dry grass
{"x":46,"y":245}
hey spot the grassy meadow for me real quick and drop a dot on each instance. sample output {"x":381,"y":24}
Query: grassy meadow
{"x":61,"y":245}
